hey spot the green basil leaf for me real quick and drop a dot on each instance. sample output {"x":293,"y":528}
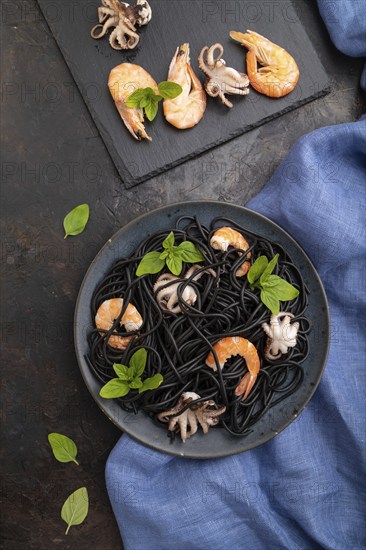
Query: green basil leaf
{"x":121,"y":371}
{"x":114,"y":388}
{"x":76,"y":220}
{"x":174,"y":263}
{"x":190,"y":253}
{"x":151,"y":107}
{"x":270,"y":300}
{"x":64,"y":449}
{"x":138,"y":363}
{"x":164,"y":254}
{"x":137,"y":97}
{"x":150,"y":263}
{"x":257,"y":269}
{"x":151,"y":383}
{"x":270,"y":267}
{"x":149,"y":92}
{"x":75,"y":508}
{"x":169,"y":90}
{"x":284,"y":290}
{"x":168,"y":242}
{"x":136,"y":383}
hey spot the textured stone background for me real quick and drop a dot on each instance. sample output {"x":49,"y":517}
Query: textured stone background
{"x":53,"y":159}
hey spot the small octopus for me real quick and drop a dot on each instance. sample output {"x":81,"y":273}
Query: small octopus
{"x":204,"y":413}
{"x":221,"y":79}
{"x":124,"y":18}
{"x":281,"y":335}
{"x":167,"y":285}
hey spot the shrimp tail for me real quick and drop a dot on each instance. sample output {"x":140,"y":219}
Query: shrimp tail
{"x":245,"y":385}
{"x":133,"y":119}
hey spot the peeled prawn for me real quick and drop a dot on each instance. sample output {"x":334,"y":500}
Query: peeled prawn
{"x":235,"y":345}
{"x":123,"y":80}
{"x":187,"y":109}
{"x":279,"y":73}
{"x":227,"y":236}
{"x":108,"y":312}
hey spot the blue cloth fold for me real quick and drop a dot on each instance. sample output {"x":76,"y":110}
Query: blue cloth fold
{"x":304,"y":489}
{"x":346,"y":24}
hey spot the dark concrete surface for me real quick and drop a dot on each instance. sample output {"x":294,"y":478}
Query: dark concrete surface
{"x":53,"y":159}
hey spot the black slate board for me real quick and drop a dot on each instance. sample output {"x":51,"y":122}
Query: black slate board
{"x":198,"y":22}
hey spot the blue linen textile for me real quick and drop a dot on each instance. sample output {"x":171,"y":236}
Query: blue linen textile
{"x":346,"y":24}
{"x":303,"y":489}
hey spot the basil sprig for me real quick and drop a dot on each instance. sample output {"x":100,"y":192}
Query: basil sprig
{"x":129,"y":378}
{"x":273,"y":288}
{"x":172,"y":256}
{"x":148,"y":99}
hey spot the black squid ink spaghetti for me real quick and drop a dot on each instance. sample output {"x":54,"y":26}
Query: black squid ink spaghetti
{"x":179,"y":337}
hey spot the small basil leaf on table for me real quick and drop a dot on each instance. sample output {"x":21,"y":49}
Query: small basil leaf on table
{"x":64,"y":449}
{"x":151,"y":263}
{"x":114,"y":388}
{"x":151,"y":383}
{"x":76,"y":220}
{"x":75,"y":508}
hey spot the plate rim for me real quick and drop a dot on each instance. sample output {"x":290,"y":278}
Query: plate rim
{"x":105,"y":407}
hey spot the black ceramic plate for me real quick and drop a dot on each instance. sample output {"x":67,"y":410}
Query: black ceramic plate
{"x":217,"y":443}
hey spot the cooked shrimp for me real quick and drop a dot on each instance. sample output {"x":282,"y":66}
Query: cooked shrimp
{"x":235,"y":345}
{"x":108,"y":313}
{"x":187,"y":109}
{"x":279,"y":73}
{"x":227,"y":236}
{"x":123,"y":80}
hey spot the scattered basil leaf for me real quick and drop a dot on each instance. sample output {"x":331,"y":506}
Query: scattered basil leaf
{"x":150,"y":263}
{"x":64,"y":449}
{"x":169,"y":90}
{"x":168,"y":242}
{"x":270,"y":267}
{"x":121,"y":371}
{"x":284,"y":290}
{"x":75,"y":508}
{"x":138,"y":362}
{"x":174,"y":263}
{"x":190,"y":253}
{"x":114,"y":388}
{"x":151,"y":383}
{"x":257,"y":269}
{"x":76,"y":220}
